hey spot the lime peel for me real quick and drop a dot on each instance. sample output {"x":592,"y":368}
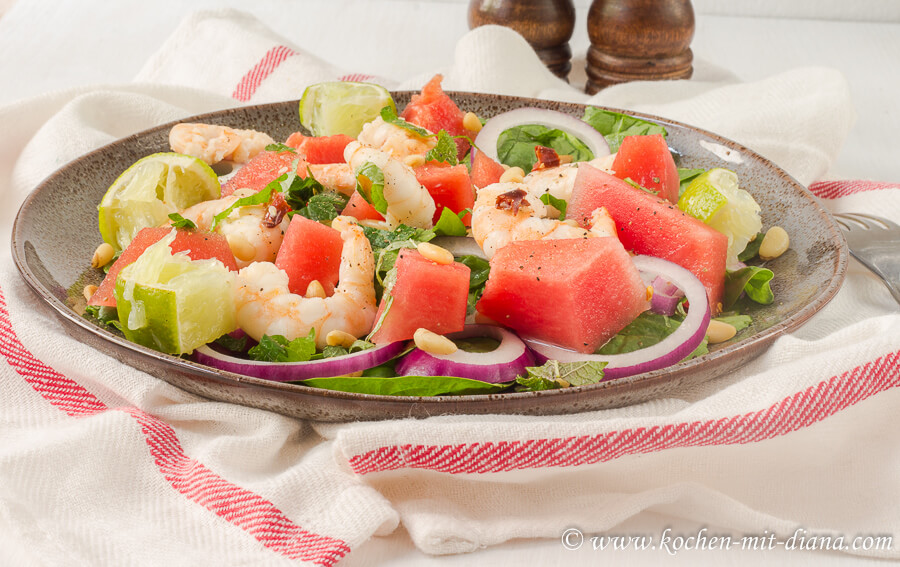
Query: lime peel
{"x":342,"y":107}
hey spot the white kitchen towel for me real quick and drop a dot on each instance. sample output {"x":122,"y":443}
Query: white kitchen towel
{"x":101,"y":463}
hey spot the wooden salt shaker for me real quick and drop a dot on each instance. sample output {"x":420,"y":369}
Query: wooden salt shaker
{"x":546,"y":24}
{"x":635,"y":40}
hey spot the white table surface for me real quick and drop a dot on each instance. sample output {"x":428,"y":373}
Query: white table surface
{"x":47,"y":46}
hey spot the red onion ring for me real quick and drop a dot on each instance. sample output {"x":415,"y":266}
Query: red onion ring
{"x":499,"y":365}
{"x":487,"y":138}
{"x":667,"y":352}
{"x":292,"y":371}
{"x":665,"y":297}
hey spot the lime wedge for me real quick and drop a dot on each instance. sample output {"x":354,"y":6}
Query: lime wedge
{"x":173,"y":304}
{"x":148,"y":191}
{"x":715,"y":198}
{"x":340,"y":107}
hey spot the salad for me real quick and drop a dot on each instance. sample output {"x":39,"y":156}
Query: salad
{"x":428,"y":251}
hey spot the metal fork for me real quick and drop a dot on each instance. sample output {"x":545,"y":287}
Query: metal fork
{"x":875,"y":242}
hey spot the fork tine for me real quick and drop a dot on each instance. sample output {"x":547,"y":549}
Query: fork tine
{"x":867,"y":221}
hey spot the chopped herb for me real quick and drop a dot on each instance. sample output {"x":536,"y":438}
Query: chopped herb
{"x":558,"y":204}
{"x":445,"y":150}
{"x":277,"y":348}
{"x":279,"y":147}
{"x":370,"y":184}
{"x":389,"y":115}
{"x":179,"y":221}
{"x":450,"y":223}
{"x":231,"y":343}
{"x":106,"y":315}
{"x":554,"y":374}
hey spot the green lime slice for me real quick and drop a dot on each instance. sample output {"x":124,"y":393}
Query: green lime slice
{"x":340,"y":107}
{"x":148,"y":191}
{"x":715,"y":198}
{"x":173,"y":304}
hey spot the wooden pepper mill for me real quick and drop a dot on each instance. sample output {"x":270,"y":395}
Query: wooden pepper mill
{"x":634,"y":40}
{"x":546,"y":24}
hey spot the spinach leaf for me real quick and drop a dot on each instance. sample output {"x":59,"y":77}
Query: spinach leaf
{"x":752,"y":249}
{"x":685,"y":176}
{"x":108,"y":316}
{"x":615,"y":126}
{"x":450,"y":223}
{"x":479,"y":270}
{"x":515,"y":146}
{"x":739,"y":322}
{"x":406,"y":385}
{"x":752,"y":281}
{"x":646,"y":330}
{"x":230,"y":343}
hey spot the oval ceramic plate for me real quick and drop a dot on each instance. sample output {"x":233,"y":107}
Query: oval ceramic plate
{"x":53,"y":258}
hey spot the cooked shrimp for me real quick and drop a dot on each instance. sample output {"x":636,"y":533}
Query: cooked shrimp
{"x":559,"y":181}
{"x":265,"y":306}
{"x":246,"y":229}
{"x":397,"y":141}
{"x":506,"y":212}
{"x":213,"y":143}
{"x":408,"y":202}
{"x":336,"y":176}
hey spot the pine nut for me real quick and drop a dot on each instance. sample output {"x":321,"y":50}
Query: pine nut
{"x":719,"y":332}
{"x":774,"y":243}
{"x":566,"y":158}
{"x":471,"y":122}
{"x":414,"y":160}
{"x":102,"y":255}
{"x":339,"y":338}
{"x":513,"y":175}
{"x":89,"y":291}
{"x":315,"y":289}
{"x":435,"y":253}
{"x":433,"y":343}
{"x":241,"y":247}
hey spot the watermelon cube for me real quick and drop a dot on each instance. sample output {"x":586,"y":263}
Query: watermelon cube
{"x":310,"y":251}
{"x":575,"y":293}
{"x":653,"y":226}
{"x":646,"y":160}
{"x":449,"y":186}
{"x":424,"y":294}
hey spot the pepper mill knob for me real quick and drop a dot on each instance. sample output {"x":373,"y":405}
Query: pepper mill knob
{"x":633,"y":40}
{"x":547,"y":25}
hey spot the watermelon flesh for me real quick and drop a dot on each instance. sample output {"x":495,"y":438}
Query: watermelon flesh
{"x":310,"y":251}
{"x":435,"y":111}
{"x":426,"y":295}
{"x":646,"y":160}
{"x":575,"y":293}
{"x":198,"y":245}
{"x":358,"y":208}
{"x":319,"y":149}
{"x":260,"y":171}
{"x":653,"y":226}
{"x":449,"y":186}
{"x":485,"y":170}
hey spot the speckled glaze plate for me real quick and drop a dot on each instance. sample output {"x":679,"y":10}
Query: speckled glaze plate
{"x":53,"y":258}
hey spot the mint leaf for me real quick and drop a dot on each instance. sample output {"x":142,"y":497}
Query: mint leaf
{"x":301,"y":190}
{"x":558,"y":204}
{"x":104,"y":314}
{"x":479,"y":270}
{"x":515,"y":146}
{"x":445,"y":150}
{"x":279,"y":147}
{"x":752,"y":281}
{"x":179,"y":221}
{"x":635,"y":184}
{"x":324,"y":207}
{"x":450,"y":223}
{"x":373,"y":190}
{"x":554,"y":374}
{"x":231,"y":343}
{"x":280,"y":184}
{"x":277,"y":348}
{"x":389,"y":115}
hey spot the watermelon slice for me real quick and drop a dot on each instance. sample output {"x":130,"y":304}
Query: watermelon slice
{"x":575,"y":293}
{"x":485,"y":170}
{"x":449,"y":186}
{"x":198,"y":245}
{"x":310,"y":251}
{"x":435,"y":111}
{"x":650,"y":225}
{"x":646,"y":160}
{"x":319,"y":149}
{"x":358,"y":208}
{"x":424,"y":294}
{"x":260,"y":171}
